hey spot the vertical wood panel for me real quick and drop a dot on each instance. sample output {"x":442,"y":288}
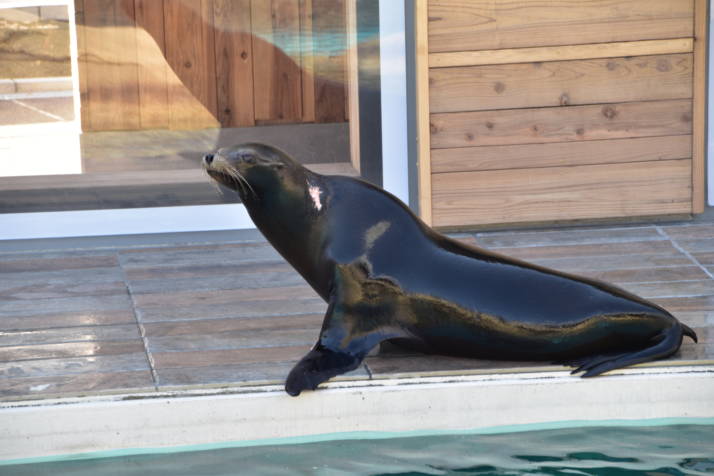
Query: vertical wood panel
{"x":110,"y":48}
{"x":699,"y":106}
{"x":329,"y":21}
{"x":152,"y":67}
{"x":82,"y":63}
{"x":307,"y":60}
{"x":191,"y":55}
{"x":276,"y":75}
{"x":234,"y":63}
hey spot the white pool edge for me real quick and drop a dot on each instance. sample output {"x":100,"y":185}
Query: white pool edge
{"x":241,"y":416}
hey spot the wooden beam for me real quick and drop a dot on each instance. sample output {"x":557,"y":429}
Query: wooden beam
{"x":533,"y":195}
{"x":561,"y":154}
{"x":561,"y":124}
{"x":561,"y":53}
{"x":353,"y":82}
{"x":422,"y":110}
{"x":469,"y":25}
{"x":699,"y":105}
{"x":561,"y":83}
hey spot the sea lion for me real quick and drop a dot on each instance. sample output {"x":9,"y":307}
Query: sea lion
{"x":387,"y":276}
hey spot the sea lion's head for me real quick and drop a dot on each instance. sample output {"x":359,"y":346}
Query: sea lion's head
{"x":252,"y":169}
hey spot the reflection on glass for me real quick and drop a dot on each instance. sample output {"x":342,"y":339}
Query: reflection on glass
{"x":163,"y":82}
{"x":35,"y":71}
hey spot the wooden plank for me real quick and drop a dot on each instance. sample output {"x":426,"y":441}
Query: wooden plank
{"x":234,"y":63}
{"x":307,"y":61}
{"x":234,"y":310}
{"x":560,"y":154}
{"x":422,"y":112}
{"x":276,"y":75}
{"x":352,"y":79}
{"x":51,"y":368}
{"x":76,"y":384}
{"x":699,"y":106}
{"x":561,"y":124}
{"x":561,"y":53}
{"x":69,"y":349}
{"x":152,"y":66}
{"x":67,"y":319}
{"x":110,"y":55}
{"x":71,"y":334}
{"x":561,"y":83}
{"x":82,"y":63}
{"x":223,"y":296}
{"x":190,"y":53}
{"x":456,"y":25}
{"x":329,"y":60}
{"x":560,"y":193}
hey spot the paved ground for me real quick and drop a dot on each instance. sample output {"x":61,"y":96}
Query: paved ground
{"x":91,"y":316}
{"x":34,"y":110}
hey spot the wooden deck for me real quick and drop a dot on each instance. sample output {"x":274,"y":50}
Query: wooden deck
{"x":116,"y":317}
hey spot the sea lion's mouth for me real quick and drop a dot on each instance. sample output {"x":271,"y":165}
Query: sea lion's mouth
{"x":224,"y":178}
{"x":232,"y":179}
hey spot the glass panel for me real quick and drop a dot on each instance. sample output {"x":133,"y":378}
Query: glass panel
{"x":37,"y":101}
{"x":35,"y":68}
{"x":162,"y":83}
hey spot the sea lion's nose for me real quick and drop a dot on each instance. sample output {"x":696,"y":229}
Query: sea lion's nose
{"x":207,"y":159}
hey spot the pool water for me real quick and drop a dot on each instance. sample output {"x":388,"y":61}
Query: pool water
{"x":644,"y":450}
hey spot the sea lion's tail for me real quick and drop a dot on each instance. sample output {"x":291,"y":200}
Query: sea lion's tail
{"x":687,"y":331}
{"x":662,"y":345}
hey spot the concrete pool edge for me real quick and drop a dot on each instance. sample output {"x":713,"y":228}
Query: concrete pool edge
{"x":200,"y":419}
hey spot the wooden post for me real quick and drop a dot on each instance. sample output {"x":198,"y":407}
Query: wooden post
{"x":353,"y":82}
{"x":422,"y":110}
{"x":699,"y":105}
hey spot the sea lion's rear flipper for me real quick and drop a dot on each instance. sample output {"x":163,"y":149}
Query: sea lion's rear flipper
{"x":662,"y":345}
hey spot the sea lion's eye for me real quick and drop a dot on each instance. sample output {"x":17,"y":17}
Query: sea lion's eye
{"x":248,"y":158}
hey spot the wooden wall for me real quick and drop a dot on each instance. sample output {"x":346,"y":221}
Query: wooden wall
{"x":560,"y":110}
{"x":186,"y":64}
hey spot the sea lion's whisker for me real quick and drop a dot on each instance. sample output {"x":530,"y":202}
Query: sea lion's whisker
{"x":236,"y":175}
{"x":214,"y":184}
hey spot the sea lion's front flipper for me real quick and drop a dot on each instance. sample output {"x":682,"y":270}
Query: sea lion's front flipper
{"x":336,"y":352}
{"x":357,"y":320}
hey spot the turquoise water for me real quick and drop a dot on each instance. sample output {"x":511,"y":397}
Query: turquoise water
{"x":616,"y":451}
